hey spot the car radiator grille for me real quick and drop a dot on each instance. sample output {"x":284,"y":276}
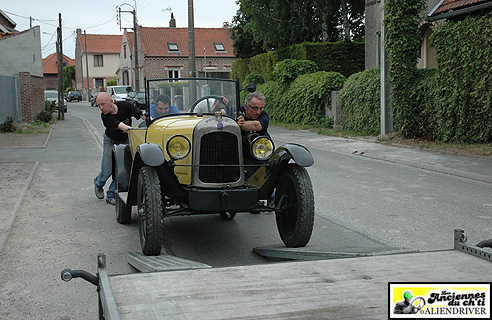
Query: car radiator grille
{"x":216,"y":149}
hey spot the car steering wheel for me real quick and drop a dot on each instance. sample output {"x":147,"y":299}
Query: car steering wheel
{"x":208,"y":103}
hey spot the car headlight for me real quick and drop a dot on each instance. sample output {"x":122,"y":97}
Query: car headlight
{"x":178,"y":147}
{"x":262,"y":148}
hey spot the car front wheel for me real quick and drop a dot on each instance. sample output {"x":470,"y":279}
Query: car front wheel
{"x":150,"y":211}
{"x":296,"y":216}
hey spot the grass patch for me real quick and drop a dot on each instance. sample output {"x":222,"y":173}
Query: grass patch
{"x":34,"y":127}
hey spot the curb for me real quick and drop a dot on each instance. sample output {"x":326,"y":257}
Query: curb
{"x":5,"y":233}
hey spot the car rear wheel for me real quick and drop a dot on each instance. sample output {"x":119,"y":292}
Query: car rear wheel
{"x":123,"y":212}
{"x":296,"y":218}
{"x":150,"y":211}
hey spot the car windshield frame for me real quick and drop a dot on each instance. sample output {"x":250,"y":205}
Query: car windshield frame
{"x":179,"y":89}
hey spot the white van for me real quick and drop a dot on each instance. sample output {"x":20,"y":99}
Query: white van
{"x":118,"y":93}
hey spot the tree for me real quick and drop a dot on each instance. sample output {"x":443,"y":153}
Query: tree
{"x":242,"y":39}
{"x":274,"y":24}
{"x":68,"y":77}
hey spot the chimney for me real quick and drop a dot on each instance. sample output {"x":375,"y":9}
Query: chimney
{"x":172,"y":22}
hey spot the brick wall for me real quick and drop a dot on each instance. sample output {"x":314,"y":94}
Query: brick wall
{"x":32,"y":96}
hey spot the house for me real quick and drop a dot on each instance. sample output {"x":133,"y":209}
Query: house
{"x":163,"y":53}
{"x":436,"y":12}
{"x":448,"y":9}
{"x":50,"y":70}
{"x":373,"y":21}
{"x":21,"y":71}
{"x":96,"y":61}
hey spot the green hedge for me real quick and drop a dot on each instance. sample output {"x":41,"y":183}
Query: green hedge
{"x":464,"y":59}
{"x":360,"y":102}
{"x":303,"y":101}
{"x":344,"y":57}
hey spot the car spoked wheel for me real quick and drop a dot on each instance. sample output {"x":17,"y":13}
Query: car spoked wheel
{"x":150,"y":211}
{"x":296,"y":216}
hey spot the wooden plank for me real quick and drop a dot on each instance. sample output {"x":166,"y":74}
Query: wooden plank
{"x":323,"y":289}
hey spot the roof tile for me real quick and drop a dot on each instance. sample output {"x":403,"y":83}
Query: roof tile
{"x":50,"y":65}
{"x":448,"y":5}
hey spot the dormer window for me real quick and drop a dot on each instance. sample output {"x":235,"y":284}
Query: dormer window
{"x":173,"y":46}
{"x":219,"y":46}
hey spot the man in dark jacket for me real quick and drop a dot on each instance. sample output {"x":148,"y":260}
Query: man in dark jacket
{"x":116,"y":117}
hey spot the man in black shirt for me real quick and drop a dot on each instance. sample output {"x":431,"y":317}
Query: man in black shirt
{"x":116,"y":117}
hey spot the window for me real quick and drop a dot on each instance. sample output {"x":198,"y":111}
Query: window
{"x":98,"y":82}
{"x":173,"y":73}
{"x":173,"y":46}
{"x":98,"y":60}
{"x":124,"y":51}
{"x":219,"y":46}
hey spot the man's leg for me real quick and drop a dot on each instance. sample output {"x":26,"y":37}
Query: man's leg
{"x":106,"y":166}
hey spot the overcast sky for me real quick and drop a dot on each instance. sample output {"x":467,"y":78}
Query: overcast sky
{"x":100,"y":17}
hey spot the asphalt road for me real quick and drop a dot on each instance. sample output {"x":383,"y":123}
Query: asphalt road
{"x":363,"y":204}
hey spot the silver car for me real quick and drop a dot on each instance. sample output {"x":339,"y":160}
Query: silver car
{"x":52,"y":96}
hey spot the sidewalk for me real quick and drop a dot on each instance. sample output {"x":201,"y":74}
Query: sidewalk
{"x":465,"y":166}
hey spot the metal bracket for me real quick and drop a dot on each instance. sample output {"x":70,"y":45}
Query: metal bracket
{"x":461,"y":245}
{"x":107,"y":304}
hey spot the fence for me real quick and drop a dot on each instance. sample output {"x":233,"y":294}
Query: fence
{"x":10,"y":102}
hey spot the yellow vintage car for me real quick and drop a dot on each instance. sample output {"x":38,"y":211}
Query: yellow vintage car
{"x":192,"y":162}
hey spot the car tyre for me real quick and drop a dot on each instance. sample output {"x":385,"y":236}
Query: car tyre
{"x":123,"y":212}
{"x":150,"y":211}
{"x":295,"y":220}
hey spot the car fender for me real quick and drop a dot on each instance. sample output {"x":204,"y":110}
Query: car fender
{"x":266,"y":177}
{"x":151,"y":154}
{"x":299,"y":154}
{"x":122,"y":163}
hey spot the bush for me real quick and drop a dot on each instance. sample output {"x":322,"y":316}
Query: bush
{"x":288,"y":70}
{"x":304,"y":100}
{"x":112,"y":82}
{"x":253,"y":78}
{"x":360,"y":102}
{"x":49,"y":106}
{"x":44,"y":116}
{"x":8,"y":125}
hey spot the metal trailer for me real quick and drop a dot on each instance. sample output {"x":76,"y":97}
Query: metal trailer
{"x":328,"y":288}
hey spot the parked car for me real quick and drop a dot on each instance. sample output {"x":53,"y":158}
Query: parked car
{"x":52,"y":96}
{"x":118,"y":93}
{"x":192,"y":163}
{"x":93,"y":99}
{"x":74,"y":95}
{"x":137,"y":99}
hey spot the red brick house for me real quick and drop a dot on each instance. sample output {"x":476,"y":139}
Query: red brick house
{"x":163,"y":52}
{"x":50,"y":70}
{"x":103,"y":53}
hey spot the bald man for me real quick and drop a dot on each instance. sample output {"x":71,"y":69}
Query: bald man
{"x":116,"y":117}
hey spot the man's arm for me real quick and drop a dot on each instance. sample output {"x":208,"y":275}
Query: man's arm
{"x":123,"y":127}
{"x":249,"y":125}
